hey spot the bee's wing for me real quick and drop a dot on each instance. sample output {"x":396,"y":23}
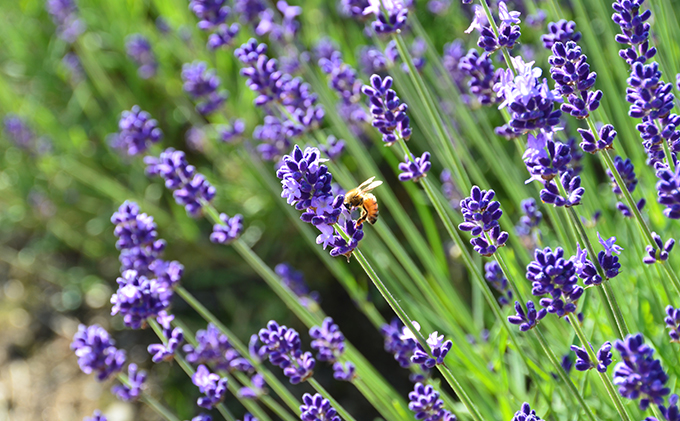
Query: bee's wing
{"x":371,"y":186}
{"x":365,"y":183}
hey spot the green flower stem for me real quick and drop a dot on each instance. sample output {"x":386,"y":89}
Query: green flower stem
{"x":269,"y":377}
{"x":498,"y":256}
{"x":611,"y":391}
{"x":335,"y":404}
{"x":188,"y":369}
{"x":251,"y":406}
{"x":431,"y":112}
{"x":158,"y":407}
{"x":563,"y":374}
{"x":408,"y":322}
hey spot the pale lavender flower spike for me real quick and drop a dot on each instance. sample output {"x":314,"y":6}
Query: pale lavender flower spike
{"x":507,"y":16}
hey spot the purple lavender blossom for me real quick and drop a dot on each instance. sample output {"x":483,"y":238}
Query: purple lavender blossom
{"x":454,"y":52}
{"x":327,"y":340}
{"x":396,"y":343}
{"x":139,"y":50}
{"x":211,"y":348}
{"x":508,"y":31}
{"x":566,"y":364}
{"x":438,"y":347}
{"x":203,"y":85}
{"x":211,"y":385}
{"x":283,"y":347}
{"x":482,"y":75}
{"x":333,"y":148}
{"x":544,"y":158}
{"x":427,"y":404}
{"x":561,"y":31}
{"x":449,"y":189}
{"x":635,"y":30}
{"x":529,"y":319}
{"x":295,"y":281}
{"x":389,"y":113}
{"x":530,"y":101}
{"x":639,"y":375}
{"x":189,"y":188}
{"x":229,"y":230}
{"x":673,"y":323}
{"x":481,"y":214}
{"x":415,"y":169}
{"x":604,"y":358}
{"x":494,"y":276}
{"x":344,"y":372}
{"x":224,"y":36}
{"x":438,"y":7}
{"x":136,"y":379}
{"x":210,"y":12}
{"x":64,"y":14}
{"x":526,"y":414}
{"x":668,"y":190}
{"x":317,"y":408}
{"x":551,"y":193}
{"x":166,"y":351}
{"x":256,"y":390}
{"x":574,"y":80}
{"x":658,"y":251}
{"x":390,"y":20}
{"x":585,"y":269}
{"x":530,"y":219}
{"x":233,"y":131}
{"x":136,"y":132}
{"x":249,"y":10}
{"x":97,"y":416}
{"x":96,"y":352}
{"x":670,"y":413}
{"x":608,"y":261}
{"x":139,"y":298}
{"x":139,"y":245}
{"x":18,"y":132}
{"x":372,"y":60}
{"x":595,"y":143}
{"x":550,"y":273}
{"x":537,"y":20}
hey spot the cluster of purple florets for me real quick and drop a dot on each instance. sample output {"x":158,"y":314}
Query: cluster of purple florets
{"x":496,"y":278}
{"x":561,"y":31}
{"x":171,"y":339}
{"x":526,"y":414}
{"x":145,"y":288}
{"x":508,"y":31}
{"x":583,"y":362}
{"x":203,"y":85}
{"x":550,"y":273}
{"x":389,"y":113}
{"x":574,"y":80}
{"x":307,"y":186}
{"x":481,"y":214}
{"x":415,"y":168}
{"x":288,"y":101}
{"x":132,"y":390}
{"x":139,"y":50}
{"x":528,"y":99}
{"x":527,"y":319}
{"x":283,"y":347}
{"x":96,"y":352}
{"x":189,"y":188}
{"x":639,"y":375}
{"x":329,"y":343}
{"x":390,"y":15}
{"x":213,"y":15}
{"x":427,"y":404}
{"x":548,"y":162}
{"x":673,"y":323}
{"x":211,"y":385}
{"x":228,"y":230}
{"x":295,"y":281}
{"x":136,"y":132}
{"x":439,"y":348}
{"x":342,"y":78}
{"x":480,"y":69}
{"x":317,"y":408}
{"x":530,"y":219}
{"x":64,"y":14}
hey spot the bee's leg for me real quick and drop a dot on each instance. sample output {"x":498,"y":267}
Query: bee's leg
{"x":362,"y":218}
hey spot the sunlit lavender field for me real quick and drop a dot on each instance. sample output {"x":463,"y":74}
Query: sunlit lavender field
{"x":339,"y":210}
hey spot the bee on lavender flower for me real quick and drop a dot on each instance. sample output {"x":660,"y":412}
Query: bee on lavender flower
{"x":362,"y":198}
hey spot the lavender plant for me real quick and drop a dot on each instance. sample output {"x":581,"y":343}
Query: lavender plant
{"x":269,"y":176}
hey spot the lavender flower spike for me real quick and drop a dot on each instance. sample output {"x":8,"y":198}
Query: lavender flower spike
{"x":283,"y":347}
{"x":139,"y":50}
{"x":97,"y":416}
{"x":327,"y":340}
{"x":639,"y":375}
{"x":438,"y":347}
{"x":389,"y":114}
{"x":137,"y":130}
{"x":317,"y":408}
{"x":529,"y":319}
{"x":96,"y":352}
{"x":673,"y":323}
{"x":658,"y":250}
{"x":481,"y":214}
{"x":604,"y":358}
{"x":526,"y":414}
{"x":211,"y":385}
{"x":136,"y":378}
{"x":550,"y":273}
{"x":392,"y":19}
{"x":494,"y":275}
{"x":229,"y":230}
{"x":427,"y":404}
{"x":415,"y":169}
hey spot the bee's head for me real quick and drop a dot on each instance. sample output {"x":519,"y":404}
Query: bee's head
{"x":347,"y":206}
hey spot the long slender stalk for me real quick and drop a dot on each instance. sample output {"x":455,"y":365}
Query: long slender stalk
{"x":157,"y":407}
{"x":611,"y":391}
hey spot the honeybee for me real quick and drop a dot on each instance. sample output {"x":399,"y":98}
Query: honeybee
{"x":361,"y":198}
